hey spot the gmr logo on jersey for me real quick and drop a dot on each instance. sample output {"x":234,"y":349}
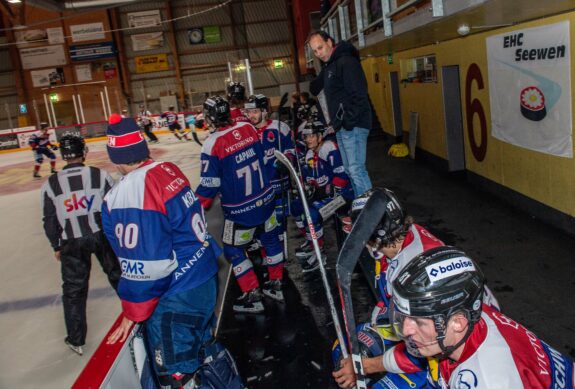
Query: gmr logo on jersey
{"x":449,"y":267}
{"x":74,"y":203}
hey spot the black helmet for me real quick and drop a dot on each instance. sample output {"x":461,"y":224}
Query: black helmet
{"x":236,"y":91}
{"x":257,"y":101}
{"x":436,"y":284}
{"x":303,"y":112}
{"x":44,"y":125}
{"x":392,"y":223}
{"x":217,"y":111}
{"x":72,"y":146}
{"x":313,"y":127}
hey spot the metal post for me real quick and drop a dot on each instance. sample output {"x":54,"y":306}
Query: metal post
{"x":107,"y":100}
{"x":81,"y":107}
{"x":36,"y":113}
{"x":385,"y":9}
{"x":344,"y":22}
{"x":53,"y":113}
{"x":230,"y":71}
{"x":249,"y":75}
{"x":48,"y":111}
{"x":76,"y":108}
{"x":359,"y":21}
{"x":104,"y":106}
{"x":7,"y":108}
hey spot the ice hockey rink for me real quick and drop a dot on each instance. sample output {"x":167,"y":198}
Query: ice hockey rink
{"x":31,"y":316}
{"x":528,"y":265}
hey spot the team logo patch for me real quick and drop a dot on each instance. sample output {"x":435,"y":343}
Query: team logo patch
{"x":466,"y":379}
{"x":237,"y":134}
{"x":259,"y":203}
{"x":449,"y":268}
{"x":168,"y":170}
{"x":533,"y":104}
{"x":271,"y":136}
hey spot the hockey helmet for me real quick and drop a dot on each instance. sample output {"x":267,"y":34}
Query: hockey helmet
{"x":313,"y":127}
{"x":72,"y":146}
{"x":44,"y":126}
{"x":436,"y":284}
{"x":303,"y":112}
{"x":217,"y":111}
{"x":257,"y":101}
{"x":236,"y":91}
{"x":392,"y":221}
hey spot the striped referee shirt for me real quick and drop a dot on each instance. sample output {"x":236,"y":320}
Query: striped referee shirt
{"x":72,"y":202}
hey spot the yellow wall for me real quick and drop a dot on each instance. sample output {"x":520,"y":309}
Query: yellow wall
{"x":545,"y":178}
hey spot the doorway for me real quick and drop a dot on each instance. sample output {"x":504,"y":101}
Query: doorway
{"x":453,"y":119}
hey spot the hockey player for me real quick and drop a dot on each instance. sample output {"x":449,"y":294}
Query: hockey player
{"x":41,"y":145}
{"x":156,"y":226}
{"x":237,"y":98}
{"x":71,"y":202}
{"x":328,"y":187}
{"x":233,"y":166}
{"x":437,"y":312}
{"x":274,"y":135}
{"x":174,"y":126}
{"x":145,"y":121}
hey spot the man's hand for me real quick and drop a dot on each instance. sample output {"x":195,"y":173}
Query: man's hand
{"x":57,"y":255}
{"x":121,"y":333}
{"x":345,"y":376}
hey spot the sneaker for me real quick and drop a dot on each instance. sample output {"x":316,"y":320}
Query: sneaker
{"x":249,"y":302}
{"x":36,"y":175}
{"x":273,"y":289}
{"x":77,"y":349}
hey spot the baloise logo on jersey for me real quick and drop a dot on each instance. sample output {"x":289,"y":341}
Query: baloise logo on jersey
{"x":448,"y":268}
{"x":74,"y":203}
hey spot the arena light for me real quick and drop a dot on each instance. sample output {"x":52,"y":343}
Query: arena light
{"x":14,"y":1}
{"x":278,"y":63}
{"x":54,"y":97}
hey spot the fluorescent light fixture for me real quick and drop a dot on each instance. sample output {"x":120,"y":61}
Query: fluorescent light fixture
{"x":14,"y":1}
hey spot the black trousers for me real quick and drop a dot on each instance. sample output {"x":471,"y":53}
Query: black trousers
{"x":76,"y":262}
{"x":149,"y":133}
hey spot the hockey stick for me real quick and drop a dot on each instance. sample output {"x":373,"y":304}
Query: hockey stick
{"x":284,"y":217}
{"x":348,"y":257}
{"x":283,"y":159}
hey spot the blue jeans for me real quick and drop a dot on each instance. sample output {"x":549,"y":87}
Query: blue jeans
{"x":352,"y":146}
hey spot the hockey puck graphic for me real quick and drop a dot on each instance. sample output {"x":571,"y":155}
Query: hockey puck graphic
{"x":533,"y":104}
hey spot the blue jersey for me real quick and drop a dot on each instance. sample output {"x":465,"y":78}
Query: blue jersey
{"x":39,"y":141}
{"x":324,"y":168}
{"x":274,"y":139}
{"x":172,"y":119}
{"x":156,"y":226}
{"x":233,"y":166}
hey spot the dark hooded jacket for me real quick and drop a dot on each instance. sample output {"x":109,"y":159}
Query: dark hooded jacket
{"x":345,"y":87}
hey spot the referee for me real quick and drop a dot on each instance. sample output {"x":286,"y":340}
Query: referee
{"x":71,"y":202}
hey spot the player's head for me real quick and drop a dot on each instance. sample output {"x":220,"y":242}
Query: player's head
{"x":313,"y":134}
{"x":393,"y":226}
{"x":236,"y":93}
{"x":126,"y":145}
{"x":44,"y":126}
{"x":217,"y":111}
{"x":437,"y":301}
{"x":256,"y":109}
{"x":73,"y":147}
{"x":171,"y":108}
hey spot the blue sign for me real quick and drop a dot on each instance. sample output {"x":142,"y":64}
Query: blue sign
{"x":22,"y":108}
{"x":94,"y":51}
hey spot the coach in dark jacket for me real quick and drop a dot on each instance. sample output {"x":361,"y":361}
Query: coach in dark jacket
{"x":345,"y":88}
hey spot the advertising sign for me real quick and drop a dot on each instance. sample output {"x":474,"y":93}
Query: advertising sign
{"x":41,"y":57}
{"x":149,"y":41}
{"x":93,"y":51}
{"x":145,"y":18}
{"x":87,"y":32}
{"x":47,"y":77}
{"x":152,"y":63}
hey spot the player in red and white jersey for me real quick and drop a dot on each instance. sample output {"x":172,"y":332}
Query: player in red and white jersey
{"x":237,"y":98}
{"x":438,"y":313}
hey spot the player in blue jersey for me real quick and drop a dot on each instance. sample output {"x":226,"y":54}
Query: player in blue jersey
{"x":328,"y":187}
{"x":41,"y":145}
{"x":156,"y":226}
{"x":274,"y":135}
{"x":174,"y":126}
{"x":233,"y":167}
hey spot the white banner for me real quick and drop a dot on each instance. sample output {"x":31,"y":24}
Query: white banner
{"x":41,"y":57}
{"x":530,"y":88}
{"x":149,"y":41}
{"x":47,"y":77}
{"x":55,"y":35}
{"x":83,"y":72}
{"x":145,"y":18}
{"x":87,"y":32}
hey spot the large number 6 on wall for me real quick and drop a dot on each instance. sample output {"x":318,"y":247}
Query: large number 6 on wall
{"x":474,"y":107}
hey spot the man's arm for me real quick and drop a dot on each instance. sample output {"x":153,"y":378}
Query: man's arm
{"x":355,"y":86}
{"x":316,"y":85}
{"x":52,"y":226}
{"x":210,"y":175}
